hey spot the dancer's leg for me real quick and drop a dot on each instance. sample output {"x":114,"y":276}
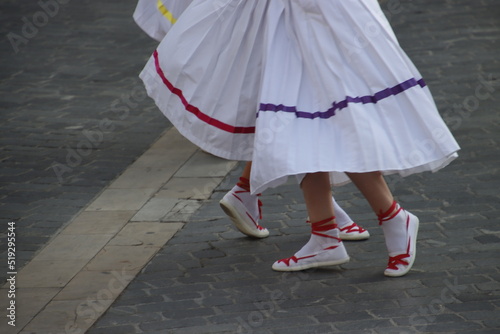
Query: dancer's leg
{"x":325,"y":248}
{"x":400,"y":227}
{"x":349,"y":230}
{"x":318,"y":196}
{"x":237,"y":207}
{"x":315,"y":188}
{"x":374,"y":189}
{"x":244,"y":208}
{"x":247,"y":170}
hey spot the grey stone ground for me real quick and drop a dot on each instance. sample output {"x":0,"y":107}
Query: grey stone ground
{"x":81,"y":66}
{"x":69,"y":98}
{"x":211,"y":279}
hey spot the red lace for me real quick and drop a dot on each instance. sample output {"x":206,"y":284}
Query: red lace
{"x":398,"y":259}
{"x":321,"y":226}
{"x":316,"y":227}
{"x":294,"y":259}
{"x":353,"y":228}
{"x":385,"y":216}
{"x":244,"y":183}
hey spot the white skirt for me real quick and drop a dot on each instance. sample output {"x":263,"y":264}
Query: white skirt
{"x":156,"y":17}
{"x":297,"y":86}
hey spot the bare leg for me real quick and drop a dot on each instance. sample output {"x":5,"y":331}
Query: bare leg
{"x":374,"y":188}
{"x":246,"y":171}
{"x":318,"y":196}
{"x":325,"y":248}
{"x":313,"y":184}
{"x":400,"y":227}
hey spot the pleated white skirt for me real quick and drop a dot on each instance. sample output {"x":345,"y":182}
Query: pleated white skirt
{"x":297,"y":86}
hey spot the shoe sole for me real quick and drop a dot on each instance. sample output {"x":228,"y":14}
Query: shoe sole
{"x":414,"y":246}
{"x":237,"y":221}
{"x":312,"y":265}
{"x":351,"y":237}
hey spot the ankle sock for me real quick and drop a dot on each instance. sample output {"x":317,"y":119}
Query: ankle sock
{"x":323,"y":236}
{"x":342,"y":218}
{"x":394,"y":224}
{"x":251,"y":202}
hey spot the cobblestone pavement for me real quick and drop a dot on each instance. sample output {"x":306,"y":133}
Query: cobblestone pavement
{"x":73,"y":112}
{"x":211,"y":279}
{"x":68,"y":67}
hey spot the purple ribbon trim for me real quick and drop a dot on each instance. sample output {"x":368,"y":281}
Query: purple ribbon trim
{"x":393,"y":91}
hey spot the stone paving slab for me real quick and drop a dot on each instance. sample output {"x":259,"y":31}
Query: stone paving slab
{"x":33,"y":299}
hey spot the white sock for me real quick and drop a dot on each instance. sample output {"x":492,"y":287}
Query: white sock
{"x":251,"y":202}
{"x":342,"y":217}
{"x":318,"y":243}
{"x":396,"y":232}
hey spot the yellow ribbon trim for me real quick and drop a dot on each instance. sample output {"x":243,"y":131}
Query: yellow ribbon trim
{"x":165,"y":12}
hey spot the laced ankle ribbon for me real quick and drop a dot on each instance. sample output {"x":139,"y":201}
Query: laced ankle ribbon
{"x":398,"y":259}
{"x":385,"y":216}
{"x":316,"y":227}
{"x":244,"y":183}
{"x":352,"y":228}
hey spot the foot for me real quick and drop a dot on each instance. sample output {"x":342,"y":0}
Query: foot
{"x":324,"y":249}
{"x":353,"y":231}
{"x":400,"y":231}
{"x":349,"y":230}
{"x":244,"y":211}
